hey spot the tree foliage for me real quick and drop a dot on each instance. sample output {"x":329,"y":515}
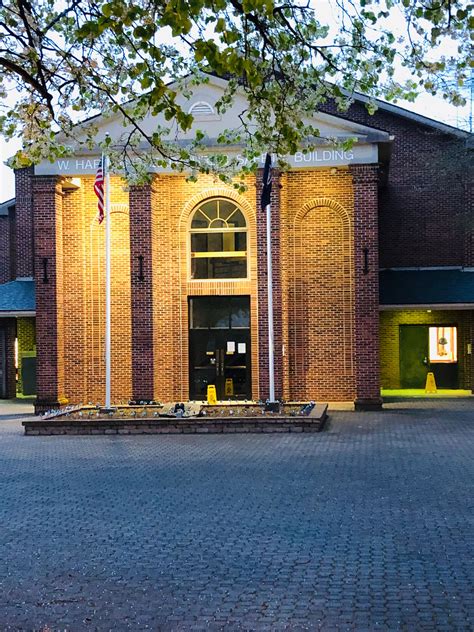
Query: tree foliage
{"x":69,"y":59}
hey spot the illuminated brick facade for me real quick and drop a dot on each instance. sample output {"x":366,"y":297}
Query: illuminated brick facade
{"x":333,"y":228}
{"x":319,"y":287}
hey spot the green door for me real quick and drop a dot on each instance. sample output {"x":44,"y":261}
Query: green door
{"x":413,"y":356}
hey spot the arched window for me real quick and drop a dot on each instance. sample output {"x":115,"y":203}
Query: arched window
{"x":218,"y":241}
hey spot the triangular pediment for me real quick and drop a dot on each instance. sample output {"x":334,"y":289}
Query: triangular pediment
{"x":202,"y":104}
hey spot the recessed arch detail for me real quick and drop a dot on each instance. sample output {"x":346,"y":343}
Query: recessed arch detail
{"x":324,"y":202}
{"x":322,"y":296}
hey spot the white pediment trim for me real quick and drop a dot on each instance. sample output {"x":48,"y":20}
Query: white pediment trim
{"x":330,"y":126}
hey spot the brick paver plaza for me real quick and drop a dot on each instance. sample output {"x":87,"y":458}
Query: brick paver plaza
{"x":366,"y":526}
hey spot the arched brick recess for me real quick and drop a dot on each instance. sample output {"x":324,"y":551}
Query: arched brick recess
{"x":218,"y":287}
{"x":321,"y":302}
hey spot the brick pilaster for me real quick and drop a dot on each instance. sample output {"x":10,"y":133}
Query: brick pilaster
{"x":24,"y":222}
{"x":366,"y":268}
{"x":469,"y":221}
{"x":263,"y":285}
{"x":141,"y":255}
{"x":47,"y":200}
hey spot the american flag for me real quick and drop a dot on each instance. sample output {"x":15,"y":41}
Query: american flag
{"x":99,"y":190}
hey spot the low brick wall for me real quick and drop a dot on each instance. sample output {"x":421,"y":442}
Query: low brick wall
{"x":196,"y":425}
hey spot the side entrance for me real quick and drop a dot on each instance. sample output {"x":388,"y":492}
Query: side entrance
{"x":219,"y":347}
{"x":426,"y":348}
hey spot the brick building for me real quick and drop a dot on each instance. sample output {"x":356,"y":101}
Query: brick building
{"x":373,"y":271}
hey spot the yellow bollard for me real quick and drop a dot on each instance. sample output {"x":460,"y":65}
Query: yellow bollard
{"x":430,"y":386}
{"x":211,"y":394}
{"x":229,"y":387}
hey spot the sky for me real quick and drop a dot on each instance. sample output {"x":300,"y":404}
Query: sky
{"x":427,"y":105}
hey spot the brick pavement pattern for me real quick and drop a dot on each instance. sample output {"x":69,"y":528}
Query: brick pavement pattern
{"x":367,"y":526}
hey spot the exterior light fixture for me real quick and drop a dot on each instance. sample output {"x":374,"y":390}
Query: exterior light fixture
{"x":71,"y":184}
{"x":44,"y":262}
{"x":141,"y":275}
{"x":366,"y":261}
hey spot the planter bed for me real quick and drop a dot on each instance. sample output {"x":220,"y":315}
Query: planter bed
{"x":158,"y":420}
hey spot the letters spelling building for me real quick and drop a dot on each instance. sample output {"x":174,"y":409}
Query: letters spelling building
{"x":373,"y":276}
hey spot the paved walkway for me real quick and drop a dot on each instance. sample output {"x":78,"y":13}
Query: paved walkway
{"x":366,"y":526}
{"x":16,"y":408}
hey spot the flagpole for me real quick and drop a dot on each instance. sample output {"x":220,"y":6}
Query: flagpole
{"x":271,"y":358}
{"x":108,"y":311}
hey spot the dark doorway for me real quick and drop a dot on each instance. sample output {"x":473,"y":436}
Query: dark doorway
{"x":420,"y":351}
{"x":219,"y":347}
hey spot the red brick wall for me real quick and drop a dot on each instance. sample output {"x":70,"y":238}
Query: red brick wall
{"x":6,"y":258}
{"x":49,"y":296}
{"x":426,"y":209}
{"x":366,"y":307}
{"x":24,"y":222}
{"x":142,"y":236}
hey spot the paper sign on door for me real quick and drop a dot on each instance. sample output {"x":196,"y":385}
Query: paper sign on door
{"x":241,"y":347}
{"x":231,"y":346}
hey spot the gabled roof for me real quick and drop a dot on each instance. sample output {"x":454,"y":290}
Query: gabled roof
{"x":397,"y":110}
{"x":427,"y":288}
{"x":17,"y":298}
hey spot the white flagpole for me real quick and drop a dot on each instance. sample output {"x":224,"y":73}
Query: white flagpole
{"x":271,"y":360}
{"x":108,"y":311}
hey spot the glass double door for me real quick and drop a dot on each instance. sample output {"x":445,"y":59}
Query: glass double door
{"x":219,"y":347}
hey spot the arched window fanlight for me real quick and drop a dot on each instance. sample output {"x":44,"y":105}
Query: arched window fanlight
{"x":201,"y":108}
{"x":218,"y":241}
